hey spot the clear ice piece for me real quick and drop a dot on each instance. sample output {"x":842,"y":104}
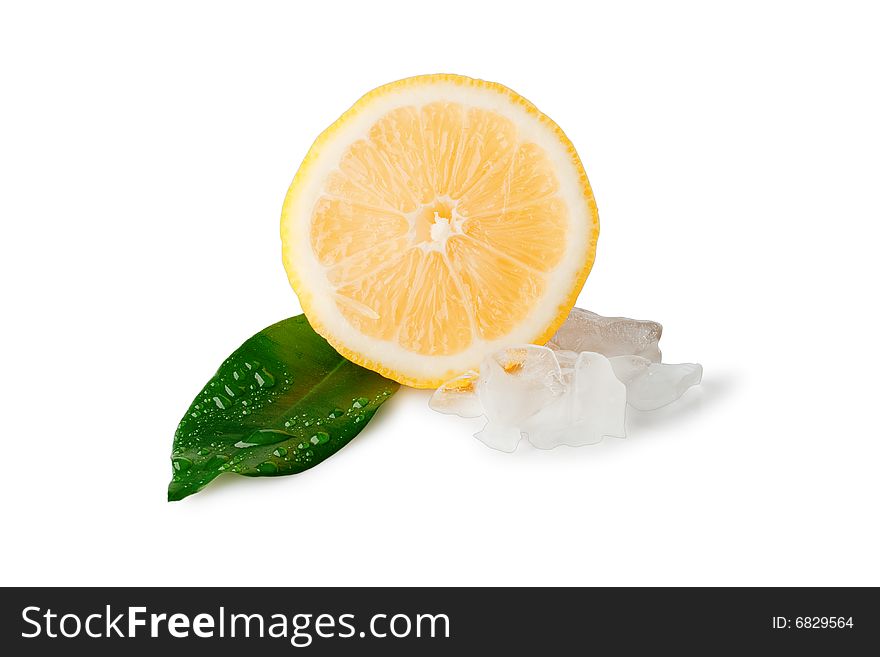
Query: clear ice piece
{"x":609,"y":336}
{"x":566,"y":359}
{"x":458,"y":396}
{"x":515,"y":384}
{"x":593,"y":406}
{"x":652,"y":385}
{"x":572,"y":392}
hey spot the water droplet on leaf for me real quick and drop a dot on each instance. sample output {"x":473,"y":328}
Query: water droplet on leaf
{"x":320,"y":438}
{"x":181,"y":464}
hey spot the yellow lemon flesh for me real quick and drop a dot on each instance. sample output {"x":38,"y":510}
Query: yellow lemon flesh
{"x":439,"y":219}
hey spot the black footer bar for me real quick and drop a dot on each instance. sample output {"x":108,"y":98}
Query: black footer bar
{"x":427,"y":621}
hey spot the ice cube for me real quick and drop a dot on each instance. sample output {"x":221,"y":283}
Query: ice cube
{"x":572,"y":392}
{"x":458,"y":396}
{"x":652,"y":385}
{"x":566,"y":360}
{"x":593,"y":406}
{"x":609,"y":336}
{"x":514,"y":384}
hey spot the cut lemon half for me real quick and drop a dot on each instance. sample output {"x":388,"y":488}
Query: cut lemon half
{"x":440,"y":219}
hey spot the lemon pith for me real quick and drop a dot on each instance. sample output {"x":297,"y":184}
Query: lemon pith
{"x":438,"y":219}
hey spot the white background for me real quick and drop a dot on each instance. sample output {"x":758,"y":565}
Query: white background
{"x":145,"y":150}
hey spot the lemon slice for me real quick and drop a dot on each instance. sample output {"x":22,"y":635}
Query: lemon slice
{"x":440,"y":219}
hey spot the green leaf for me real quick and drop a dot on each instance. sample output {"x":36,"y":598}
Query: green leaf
{"x":283,"y":402}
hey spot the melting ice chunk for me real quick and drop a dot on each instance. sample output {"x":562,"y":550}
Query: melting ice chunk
{"x":593,"y":406}
{"x":609,"y":336}
{"x":566,"y":359}
{"x":515,"y":384}
{"x":458,"y":396}
{"x":524,"y":391}
{"x":652,"y":385}
{"x":572,"y":392}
